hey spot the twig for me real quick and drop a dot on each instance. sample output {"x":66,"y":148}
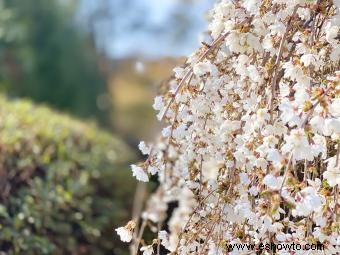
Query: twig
{"x":159,"y":243}
{"x":137,"y":242}
{"x":201,"y":162}
{"x":191,"y":216}
{"x":337,"y":155}
{"x":212,"y":228}
{"x":137,"y":207}
{"x":286,"y":173}
{"x":305,"y":172}
{"x":276,"y":72}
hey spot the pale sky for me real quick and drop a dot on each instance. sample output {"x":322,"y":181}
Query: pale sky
{"x":149,"y":28}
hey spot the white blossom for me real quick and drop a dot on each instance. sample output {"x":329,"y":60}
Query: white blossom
{"x":273,"y":182}
{"x":158,"y":104}
{"x":332,"y":174}
{"x":144,"y":148}
{"x":331,"y":32}
{"x":147,"y":250}
{"x":164,"y":238}
{"x":309,"y":202}
{"x":203,"y":68}
{"x":252,"y":6}
{"x":139,"y":173}
{"x":297,"y":144}
{"x":126,"y":233}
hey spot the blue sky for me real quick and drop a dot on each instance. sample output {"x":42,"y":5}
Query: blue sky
{"x":148,"y":28}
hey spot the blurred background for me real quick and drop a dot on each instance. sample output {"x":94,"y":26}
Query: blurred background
{"x":77,"y":81}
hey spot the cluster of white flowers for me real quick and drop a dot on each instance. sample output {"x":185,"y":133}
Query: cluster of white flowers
{"x":251,"y":150}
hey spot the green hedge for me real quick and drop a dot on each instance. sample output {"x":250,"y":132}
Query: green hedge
{"x":62,"y":183}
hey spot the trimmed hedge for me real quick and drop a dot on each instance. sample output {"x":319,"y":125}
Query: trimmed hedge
{"x":59,"y":183}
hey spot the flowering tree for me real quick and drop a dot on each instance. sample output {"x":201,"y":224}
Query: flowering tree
{"x":251,"y":152}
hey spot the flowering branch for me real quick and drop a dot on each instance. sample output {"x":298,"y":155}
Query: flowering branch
{"x":251,"y":151}
{"x":189,"y":73}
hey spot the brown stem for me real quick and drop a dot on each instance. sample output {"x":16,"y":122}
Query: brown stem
{"x":159,"y":243}
{"x":286,"y":173}
{"x":337,"y":155}
{"x":137,"y":208}
{"x":139,"y":238}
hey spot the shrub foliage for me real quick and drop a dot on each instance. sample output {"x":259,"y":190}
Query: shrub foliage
{"x":57,"y":182}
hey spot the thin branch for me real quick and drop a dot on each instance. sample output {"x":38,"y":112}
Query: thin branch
{"x":277,"y":62}
{"x":158,"y":242}
{"x":190,"y":218}
{"x":137,"y":208}
{"x":286,"y":172}
{"x":337,"y":155}
{"x":139,"y":238}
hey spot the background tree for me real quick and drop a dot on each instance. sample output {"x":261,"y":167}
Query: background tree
{"x":46,"y":57}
